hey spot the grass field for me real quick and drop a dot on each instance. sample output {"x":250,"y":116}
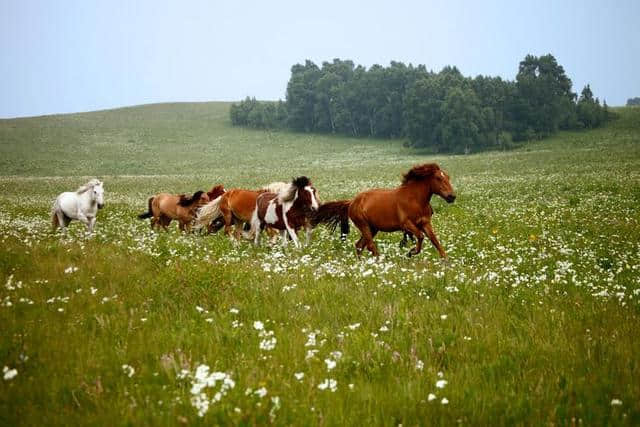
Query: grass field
{"x":535,"y":320}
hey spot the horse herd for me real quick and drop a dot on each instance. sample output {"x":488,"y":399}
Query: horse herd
{"x":285,"y":208}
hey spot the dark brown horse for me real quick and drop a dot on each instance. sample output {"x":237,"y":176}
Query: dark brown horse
{"x":405,"y":208}
{"x":164,"y":207}
{"x":287,"y":211}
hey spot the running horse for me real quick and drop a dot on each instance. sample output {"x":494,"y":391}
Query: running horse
{"x":288,"y":210}
{"x":164,"y":207}
{"x":233,"y":207}
{"x":406,"y":208}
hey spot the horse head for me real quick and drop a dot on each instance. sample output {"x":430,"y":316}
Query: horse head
{"x":199,"y":198}
{"x":215,"y":192}
{"x":306,"y":193}
{"x":98,"y":194}
{"x":437,"y":180}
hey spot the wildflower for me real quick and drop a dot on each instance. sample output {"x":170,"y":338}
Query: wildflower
{"x":441,"y":383}
{"x":329,"y":383}
{"x":299,"y":375}
{"x":614,"y":402}
{"x":9,"y":374}
{"x":234,"y":311}
{"x":419,"y":365}
{"x":354,"y":326}
{"x":443,"y":316}
{"x":431,"y":397}
{"x":268,"y":344}
{"x":330,"y":364}
{"x":261,"y":392}
{"x":444,"y":401}
{"x":128,"y":370}
{"x":258,"y":325}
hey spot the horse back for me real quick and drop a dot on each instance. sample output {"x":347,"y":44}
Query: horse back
{"x":241,"y":202}
{"x":386,"y":210}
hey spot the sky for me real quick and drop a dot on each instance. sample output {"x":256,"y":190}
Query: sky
{"x":60,"y":56}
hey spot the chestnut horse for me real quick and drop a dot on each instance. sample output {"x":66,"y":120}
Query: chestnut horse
{"x":232,"y":207}
{"x":405,"y":208}
{"x":164,"y":207}
{"x":287,"y":211}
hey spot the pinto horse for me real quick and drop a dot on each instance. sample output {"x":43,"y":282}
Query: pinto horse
{"x":232,"y":207}
{"x":164,"y":207}
{"x":405,"y":208}
{"x":287,"y":211}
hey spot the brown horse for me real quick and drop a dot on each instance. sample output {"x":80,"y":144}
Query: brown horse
{"x":164,"y":207}
{"x":405,"y":208}
{"x":287,"y":211}
{"x":233,"y":207}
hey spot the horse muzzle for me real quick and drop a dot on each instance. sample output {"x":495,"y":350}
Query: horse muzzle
{"x":450,"y":198}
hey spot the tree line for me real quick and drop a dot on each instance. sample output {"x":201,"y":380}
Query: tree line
{"x":444,"y":111}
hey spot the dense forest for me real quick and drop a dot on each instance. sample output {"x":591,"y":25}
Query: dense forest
{"x":631,"y":102}
{"x":444,"y":111}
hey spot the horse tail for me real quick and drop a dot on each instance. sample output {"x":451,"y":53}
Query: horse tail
{"x":149,"y":213}
{"x":186,"y":202}
{"x":208,"y":213}
{"x":333,"y":214}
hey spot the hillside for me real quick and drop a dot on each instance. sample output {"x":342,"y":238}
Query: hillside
{"x":534,"y":318}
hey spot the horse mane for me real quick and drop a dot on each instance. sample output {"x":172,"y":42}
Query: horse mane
{"x":216,"y":191}
{"x":186,"y":201}
{"x":89,"y":185}
{"x":275,"y":187}
{"x":420,"y":173}
{"x":288,"y":193}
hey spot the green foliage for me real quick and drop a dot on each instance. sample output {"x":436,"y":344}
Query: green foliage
{"x":633,"y":101}
{"x":403,"y":101}
{"x":258,"y":115}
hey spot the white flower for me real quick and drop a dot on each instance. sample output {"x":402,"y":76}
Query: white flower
{"x":200,"y":309}
{"x":431,"y":397}
{"x":258,"y":325}
{"x":383,"y":328}
{"x":444,"y":401}
{"x":268,"y":344}
{"x":70,"y":269}
{"x":354,"y":326}
{"x":329,"y":383}
{"x":261,"y":392}
{"x":330,"y":364}
{"x":419,"y":365}
{"x":234,"y":311}
{"x":614,"y":402}
{"x":443,"y":316}
{"x":299,"y":375}
{"x":9,"y":374}
{"x":441,"y":383}
{"x":128,"y":370}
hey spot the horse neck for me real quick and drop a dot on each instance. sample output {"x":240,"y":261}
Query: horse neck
{"x":87,"y":197}
{"x":422,"y":190}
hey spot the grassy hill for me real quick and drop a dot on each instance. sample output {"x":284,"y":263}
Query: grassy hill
{"x":534,"y":320}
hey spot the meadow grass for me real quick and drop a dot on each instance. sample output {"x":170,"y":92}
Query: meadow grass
{"x":534,"y":320}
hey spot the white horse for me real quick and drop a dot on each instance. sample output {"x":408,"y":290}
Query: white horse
{"x":82,"y":204}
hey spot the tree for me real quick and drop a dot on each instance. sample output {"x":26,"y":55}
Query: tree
{"x":545,"y":94}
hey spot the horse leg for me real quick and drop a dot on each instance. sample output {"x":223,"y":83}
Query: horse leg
{"x":62,"y":222}
{"x":92,"y":223}
{"x":432,"y":236}
{"x":307,"y":230}
{"x":366,"y":240}
{"x":413,"y":229}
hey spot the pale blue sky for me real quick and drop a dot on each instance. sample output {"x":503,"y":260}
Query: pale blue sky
{"x":63,"y":56}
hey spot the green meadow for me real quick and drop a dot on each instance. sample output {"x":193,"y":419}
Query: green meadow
{"x":535,"y":318}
